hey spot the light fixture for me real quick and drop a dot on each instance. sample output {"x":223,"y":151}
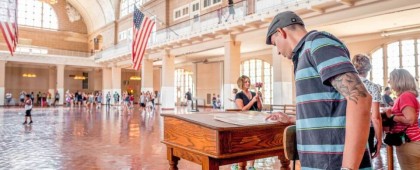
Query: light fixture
{"x":401,"y":31}
{"x":52,"y":2}
{"x":137,"y":78}
{"x":79,"y":77}
{"x":188,"y":72}
{"x":28,"y":75}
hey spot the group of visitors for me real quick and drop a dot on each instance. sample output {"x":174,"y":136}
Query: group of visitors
{"x":86,"y":99}
{"x":40,"y":99}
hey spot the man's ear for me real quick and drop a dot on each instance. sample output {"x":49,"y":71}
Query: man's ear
{"x":282,"y":33}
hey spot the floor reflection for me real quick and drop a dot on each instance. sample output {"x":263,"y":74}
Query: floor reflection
{"x":105,"y":138}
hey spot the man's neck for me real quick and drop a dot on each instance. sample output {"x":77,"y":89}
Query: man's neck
{"x":296,"y":37}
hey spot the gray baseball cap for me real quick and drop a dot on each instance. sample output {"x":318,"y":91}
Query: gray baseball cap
{"x":282,"y":20}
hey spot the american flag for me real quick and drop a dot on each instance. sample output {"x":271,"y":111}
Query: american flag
{"x":142,"y":28}
{"x":8,"y":23}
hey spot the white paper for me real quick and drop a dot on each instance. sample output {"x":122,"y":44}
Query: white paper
{"x":243,"y":119}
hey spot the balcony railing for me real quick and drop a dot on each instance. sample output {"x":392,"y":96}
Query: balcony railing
{"x":205,"y":22}
{"x":199,"y":23}
{"x":35,"y":50}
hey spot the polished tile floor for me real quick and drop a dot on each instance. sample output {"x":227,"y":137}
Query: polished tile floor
{"x":64,"y":138}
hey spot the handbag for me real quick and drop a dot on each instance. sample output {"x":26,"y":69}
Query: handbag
{"x":396,"y":139}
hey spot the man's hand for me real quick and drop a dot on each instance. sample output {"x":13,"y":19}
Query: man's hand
{"x":281,"y":117}
{"x":378,"y":149}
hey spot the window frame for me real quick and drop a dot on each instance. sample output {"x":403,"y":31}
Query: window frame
{"x":181,"y":11}
{"x":37,"y":14}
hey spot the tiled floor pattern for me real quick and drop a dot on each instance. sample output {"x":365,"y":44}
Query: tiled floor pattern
{"x":64,"y":138}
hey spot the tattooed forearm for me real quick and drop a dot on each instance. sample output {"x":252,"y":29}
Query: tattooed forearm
{"x":350,"y":86}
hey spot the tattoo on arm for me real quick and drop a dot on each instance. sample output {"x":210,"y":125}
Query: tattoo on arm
{"x":350,"y":86}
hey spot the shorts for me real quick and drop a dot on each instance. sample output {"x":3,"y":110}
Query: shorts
{"x":22,"y":100}
{"x":28,"y":112}
{"x":231,"y":10}
{"x":142,"y":105}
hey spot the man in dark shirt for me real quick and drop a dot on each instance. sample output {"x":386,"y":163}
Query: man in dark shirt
{"x":189,"y":98}
{"x":386,"y":98}
{"x":333,"y":105}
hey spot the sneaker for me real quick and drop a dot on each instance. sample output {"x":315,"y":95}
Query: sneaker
{"x":24,"y":123}
{"x":31,"y":122}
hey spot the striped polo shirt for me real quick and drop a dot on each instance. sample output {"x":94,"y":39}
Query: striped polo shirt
{"x":321,"y":109}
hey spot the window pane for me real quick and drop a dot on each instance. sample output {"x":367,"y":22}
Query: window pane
{"x":127,"y":6}
{"x":393,"y":57}
{"x":37,"y":14}
{"x":408,"y":60}
{"x":377,"y":67}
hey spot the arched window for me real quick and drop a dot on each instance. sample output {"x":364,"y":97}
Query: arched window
{"x":400,"y":54}
{"x":127,"y":6}
{"x":37,"y":14}
{"x":260,"y":71}
{"x":183,"y":82}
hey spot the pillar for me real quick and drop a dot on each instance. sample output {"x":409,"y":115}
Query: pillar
{"x":194,"y":80}
{"x":60,"y":83}
{"x":95,"y":80}
{"x":231,"y":70}
{"x":282,"y":79}
{"x":168,"y":89}
{"x":116,"y":81}
{"x":51,"y":81}
{"x":106,"y":84}
{"x":147,"y":75}
{"x":2,"y":82}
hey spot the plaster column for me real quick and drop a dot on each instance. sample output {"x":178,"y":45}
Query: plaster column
{"x":60,"y":83}
{"x":168,"y":89}
{"x":2,"y":81}
{"x":147,"y":76}
{"x":97,"y":79}
{"x":106,"y":84}
{"x":283,"y":88}
{"x":194,"y":80}
{"x":231,"y":69}
{"x":116,"y":82}
{"x":51,"y":82}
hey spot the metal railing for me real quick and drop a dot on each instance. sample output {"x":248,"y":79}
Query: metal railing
{"x":205,"y":22}
{"x":199,"y":23}
{"x":36,"y":50}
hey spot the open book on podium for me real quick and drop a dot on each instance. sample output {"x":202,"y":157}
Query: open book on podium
{"x":243,"y":119}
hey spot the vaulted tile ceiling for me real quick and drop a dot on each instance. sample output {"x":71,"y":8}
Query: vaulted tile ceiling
{"x":96,"y":13}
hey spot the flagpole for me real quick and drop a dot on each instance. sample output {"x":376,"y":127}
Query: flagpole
{"x":160,"y":21}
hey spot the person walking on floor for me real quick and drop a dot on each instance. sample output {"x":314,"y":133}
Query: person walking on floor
{"x":28,"y":109}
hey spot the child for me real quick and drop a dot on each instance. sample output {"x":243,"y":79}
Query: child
{"x":28,"y":109}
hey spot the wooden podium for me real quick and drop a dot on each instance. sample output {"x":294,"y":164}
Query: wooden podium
{"x":201,"y":139}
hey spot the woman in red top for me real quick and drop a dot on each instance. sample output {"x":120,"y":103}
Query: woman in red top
{"x":405,"y":113}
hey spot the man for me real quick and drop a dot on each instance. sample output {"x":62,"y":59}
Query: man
{"x":386,"y":98}
{"x":56,"y":98}
{"x":8,"y":99}
{"x":108,"y":99}
{"x":333,"y":105}
{"x":116,"y":98}
{"x":189,"y":99}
